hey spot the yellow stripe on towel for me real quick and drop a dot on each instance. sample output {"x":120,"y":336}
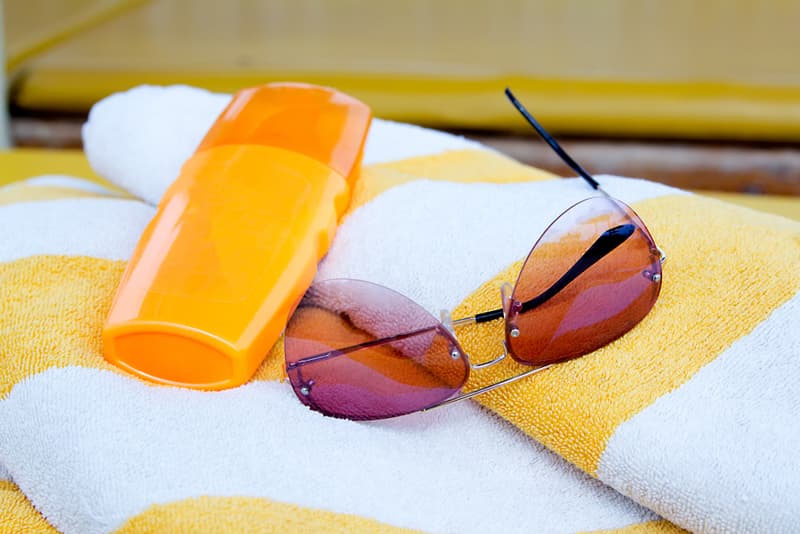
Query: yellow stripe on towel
{"x":18,"y":515}
{"x":247,"y":514}
{"x":575,"y":407}
{"x":63,"y":301}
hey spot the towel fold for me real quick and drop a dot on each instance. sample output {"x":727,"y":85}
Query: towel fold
{"x":691,"y":414}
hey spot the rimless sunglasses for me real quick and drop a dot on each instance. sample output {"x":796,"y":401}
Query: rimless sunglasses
{"x":361,"y":351}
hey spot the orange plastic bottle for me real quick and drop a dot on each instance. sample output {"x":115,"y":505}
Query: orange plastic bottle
{"x":236,"y":239}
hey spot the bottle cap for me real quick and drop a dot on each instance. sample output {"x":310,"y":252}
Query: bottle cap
{"x":318,"y":122}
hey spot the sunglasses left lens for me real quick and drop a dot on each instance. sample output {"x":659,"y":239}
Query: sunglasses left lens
{"x":360,"y":351}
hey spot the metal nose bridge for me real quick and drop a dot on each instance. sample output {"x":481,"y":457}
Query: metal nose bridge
{"x":490,"y":362}
{"x":450,"y":324}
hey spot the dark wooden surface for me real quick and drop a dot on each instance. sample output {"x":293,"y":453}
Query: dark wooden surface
{"x":737,"y":168}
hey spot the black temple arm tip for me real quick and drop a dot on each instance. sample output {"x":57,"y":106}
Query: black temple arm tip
{"x":566,"y":158}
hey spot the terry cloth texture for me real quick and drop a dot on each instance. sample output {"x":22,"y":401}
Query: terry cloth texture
{"x":691,"y":414}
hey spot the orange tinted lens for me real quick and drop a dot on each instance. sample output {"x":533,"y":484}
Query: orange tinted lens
{"x":362,"y":351}
{"x":591,"y":277}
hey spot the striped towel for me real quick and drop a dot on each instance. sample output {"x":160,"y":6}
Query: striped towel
{"x":692,"y":415}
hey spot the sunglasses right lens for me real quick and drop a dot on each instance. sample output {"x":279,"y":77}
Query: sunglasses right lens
{"x":359,"y":351}
{"x":591,"y":277}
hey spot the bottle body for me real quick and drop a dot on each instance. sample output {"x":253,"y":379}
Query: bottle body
{"x":232,"y":248}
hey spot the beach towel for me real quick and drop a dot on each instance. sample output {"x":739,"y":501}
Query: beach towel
{"x":691,"y":415}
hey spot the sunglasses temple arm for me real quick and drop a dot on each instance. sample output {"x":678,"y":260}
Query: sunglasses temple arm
{"x":603,"y":246}
{"x":368,"y":344}
{"x":484,"y":317}
{"x":566,"y":158}
{"x":484,"y":389}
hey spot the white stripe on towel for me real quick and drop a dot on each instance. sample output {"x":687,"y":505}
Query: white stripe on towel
{"x":108,"y":446}
{"x":97,"y":227}
{"x":697,"y":455}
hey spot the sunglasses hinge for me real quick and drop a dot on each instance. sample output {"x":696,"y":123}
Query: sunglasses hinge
{"x":663,"y":257}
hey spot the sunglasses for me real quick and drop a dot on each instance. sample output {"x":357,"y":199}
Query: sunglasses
{"x":361,"y":351}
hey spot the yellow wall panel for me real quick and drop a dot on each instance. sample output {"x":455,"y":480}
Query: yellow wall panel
{"x":679,"y":67}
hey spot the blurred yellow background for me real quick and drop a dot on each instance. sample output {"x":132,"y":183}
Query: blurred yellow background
{"x":711,"y":68}
{"x":699,"y":79}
